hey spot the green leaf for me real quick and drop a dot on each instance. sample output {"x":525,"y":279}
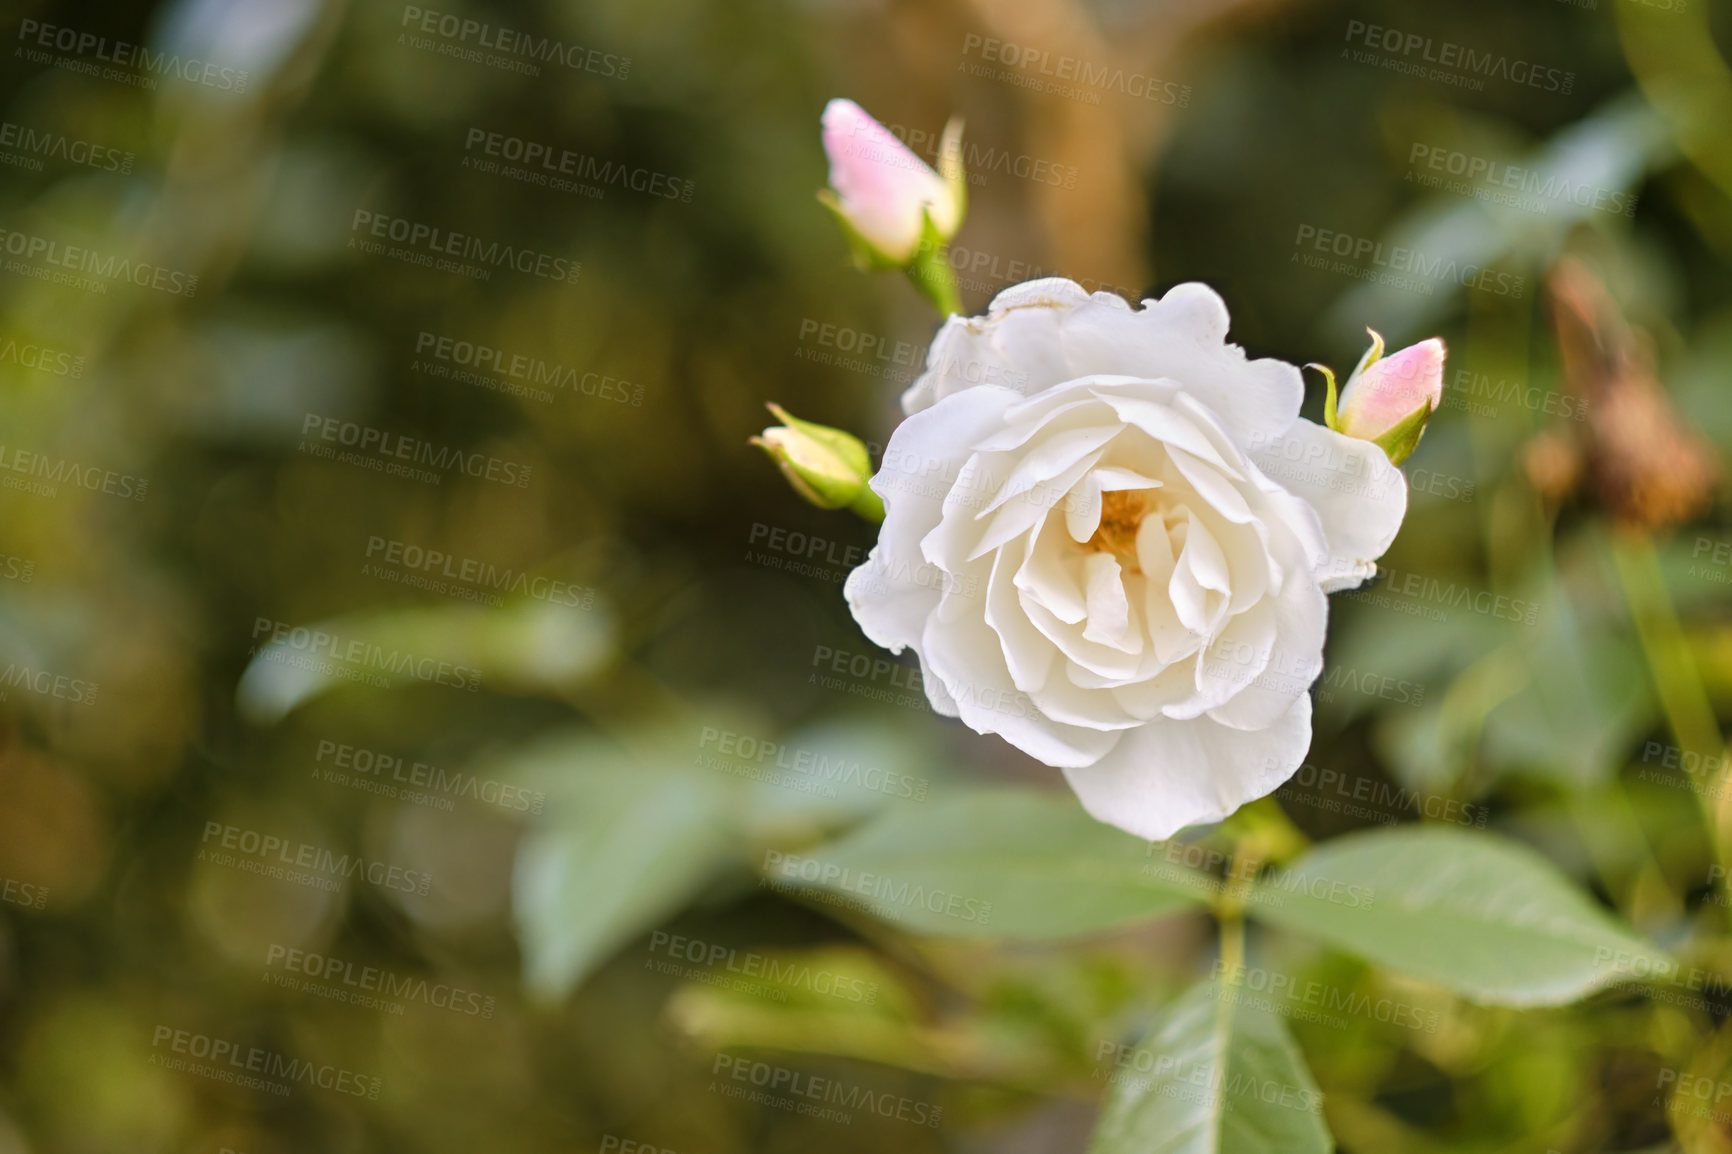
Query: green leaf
{"x":632,"y":854}
{"x":1213,"y":1076}
{"x":997,"y":864}
{"x":524,"y":646}
{"x":1486,"y":917}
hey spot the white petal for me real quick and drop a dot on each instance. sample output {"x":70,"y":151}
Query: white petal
{"x":1109,"y":619}
{"x":1014,"y":346}
{"x":1360,"y":498}
{"x":1200,"y":585}
{"x":1166,"y":775}
{"x":1293,"y":662}
{"x":1050,"y":577}
{"x":1029,"y":656}
{"x":1230,"y":662}
{"x":1182,"y":336}
{"x":963,"y":652}
{"x":923,"y":457}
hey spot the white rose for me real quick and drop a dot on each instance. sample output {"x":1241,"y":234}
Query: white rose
{"x":1109,"y":536}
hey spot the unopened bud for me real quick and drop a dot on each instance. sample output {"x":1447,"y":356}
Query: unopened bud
{"x":1388,"y":400}
{"x":826,"y":466}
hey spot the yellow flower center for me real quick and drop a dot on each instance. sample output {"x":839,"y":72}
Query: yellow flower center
{"x":1122,"y":513}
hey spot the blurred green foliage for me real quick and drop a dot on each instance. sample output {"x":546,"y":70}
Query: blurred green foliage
{"x":577,"y":770}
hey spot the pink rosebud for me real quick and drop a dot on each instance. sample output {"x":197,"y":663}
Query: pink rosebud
{"x":1382,"y":393}
{"x":882,"y":190}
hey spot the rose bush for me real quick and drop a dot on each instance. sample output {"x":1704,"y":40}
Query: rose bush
{"x":1119,"y":565}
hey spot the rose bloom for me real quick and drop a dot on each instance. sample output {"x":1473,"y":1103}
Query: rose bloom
{"x":1109,"y":535}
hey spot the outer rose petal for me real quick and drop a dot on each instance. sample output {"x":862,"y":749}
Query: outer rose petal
{"x":1046,"y":332}
{"x":964,"y":655}
{"x":921,"y":462}
{"x":1359,"y":496}
{"x":1172,"y":774}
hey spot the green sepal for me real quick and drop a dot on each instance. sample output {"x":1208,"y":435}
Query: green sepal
{"x":1401,"y":438}
{"x":1331,"y":418}
{"x":930,"y":270}
{"x":869,"y":505}
{"x":1372,"y":354}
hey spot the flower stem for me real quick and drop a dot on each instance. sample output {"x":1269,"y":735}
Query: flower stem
{"x":931,"y":273}
{"x":1672,"y":668}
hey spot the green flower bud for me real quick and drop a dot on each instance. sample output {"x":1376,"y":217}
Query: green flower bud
{"x":826,"y":466}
